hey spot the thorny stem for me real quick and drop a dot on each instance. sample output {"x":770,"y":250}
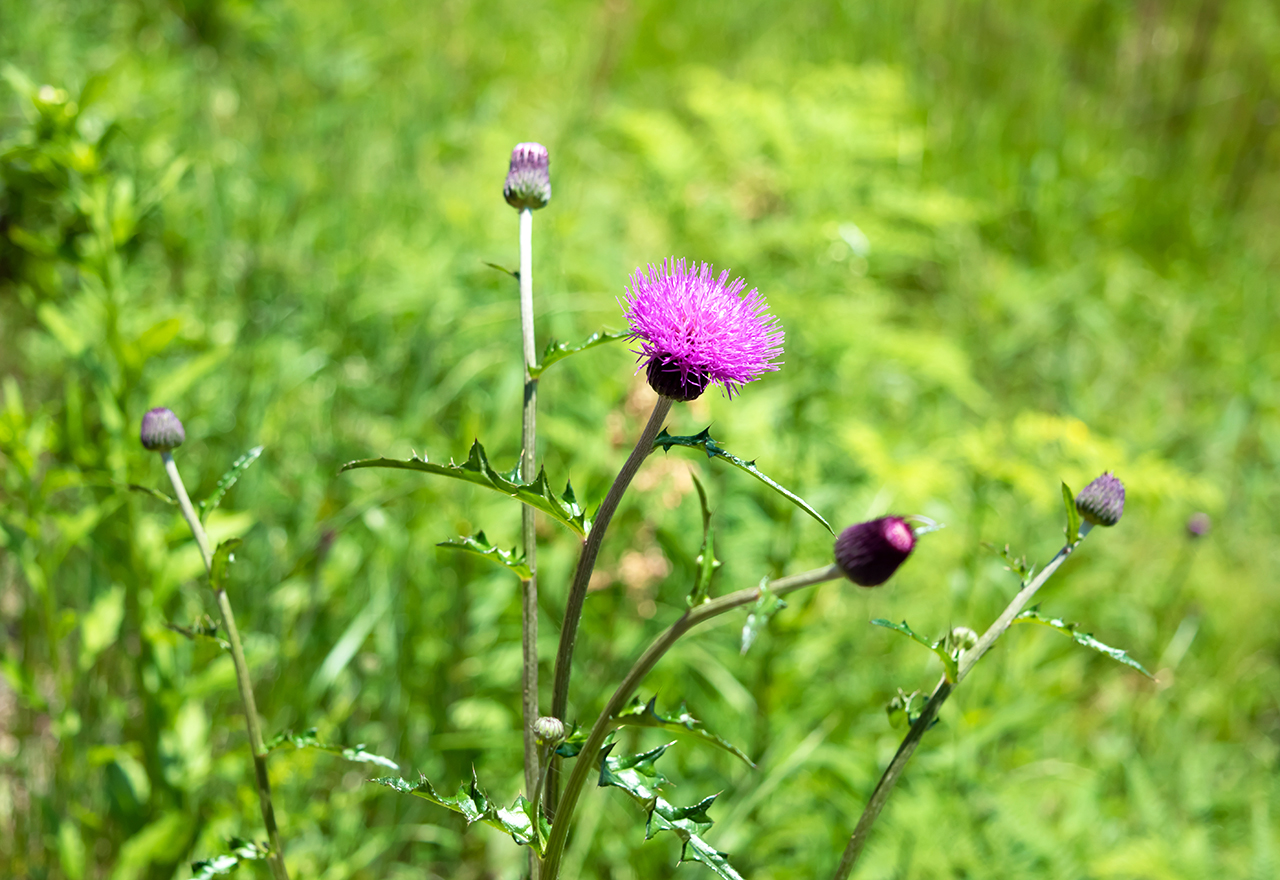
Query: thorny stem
{"x":939,"y":696}
{"x":586,"y":762}
{"x":276,"y":857}
{"x":582,"y":576}
{"x":529,"y":587}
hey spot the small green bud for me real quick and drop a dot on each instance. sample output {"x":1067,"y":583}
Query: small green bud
{"x":161,"y":430}
{"x":549,"y":731}
{"x":1102,"y":501}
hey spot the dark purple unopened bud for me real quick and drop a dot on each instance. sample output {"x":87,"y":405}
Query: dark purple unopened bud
{"x":1198,"y":525}
{"x":667,"y":380}
{"x":529,"y":178}
{"x":1102,"y":501}
{"x":870,"y":552}
{"x":161,"y":430}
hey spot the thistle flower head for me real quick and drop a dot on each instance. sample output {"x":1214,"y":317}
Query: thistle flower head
{"x":1102,"y":501}
{"x":161,"y":430}
{"x":1198,"y":525}
{"x":549,"y":731}
{"x":696,"y":329}
{"x":529,"y":178}
{"x":870,"y":552}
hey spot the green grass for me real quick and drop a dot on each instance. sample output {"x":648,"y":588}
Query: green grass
{"x":1071,"y":263}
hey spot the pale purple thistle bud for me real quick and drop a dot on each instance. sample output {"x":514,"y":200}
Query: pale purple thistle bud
{"x":696,"y":329}
{"x":1198,"y":525}
{"x":870,"y":552}
{"x":529,"y":178}
{"x":161,"y":430}
{"x":1102,"y":501}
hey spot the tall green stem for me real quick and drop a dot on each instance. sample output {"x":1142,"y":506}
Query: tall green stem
{"x":582,"y":576}
{"x":276,"y":858}
{"x":585,"y":763}
{"x":939,"y":696}
{"x":529,"y":586}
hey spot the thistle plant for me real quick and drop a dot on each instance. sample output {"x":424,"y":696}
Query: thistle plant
{"x":692,"y":329}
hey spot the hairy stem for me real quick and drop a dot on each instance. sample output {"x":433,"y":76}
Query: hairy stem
{"x":529,"y":587}
{"x":586,"y":760}
{"x":582,"y":576}
{"x":939,"y":696}
{"x":276,"y":857}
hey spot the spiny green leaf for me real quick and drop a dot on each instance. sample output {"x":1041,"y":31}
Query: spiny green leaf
{"x":703,"y":440}
{"x":241,"y":851}
{"x":475,"y":806}
{"x":479,"y":545}
{"x":941,"y":647}
{"x":707,"y":562}
{"x":476,"y":469}
{"x":558,"y":351}
{"x":1073,"y":515}
{"x":767,"y":605}
{"x":308,"y":740}
{"x":636,"y":775}
{"x":227,"y":480}
{"x":641,"y":714}
{"x":573,"y":743}
{"x":905,"y":708}
{"x":203,"y":628}
{"x":1017,"y":565}
{"x":222,"y":559}
{"x":1082,"y":638}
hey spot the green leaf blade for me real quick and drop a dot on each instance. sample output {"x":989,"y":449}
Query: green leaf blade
{"x":703,"y":440}
{"x":474,"y":806}
{"x":767,"y":604}
{"x":222,"y":559}
{"x":939,"y":648}
{"x":558,"y":351}
{"x":641,"y":714}
{"x":477,"y":470}
{"x":227,"y":480}
{"x":707,"y":562}
{"x":308,"y":740}
{"x":479,"y":545}
{"x":1073,"y":515}
{"x":1082,"y":638}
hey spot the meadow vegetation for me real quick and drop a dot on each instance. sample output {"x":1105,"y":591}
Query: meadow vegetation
{"x":1010,"y":243}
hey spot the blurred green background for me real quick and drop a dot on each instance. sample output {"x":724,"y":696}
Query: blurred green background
{"x":1012,"y":243}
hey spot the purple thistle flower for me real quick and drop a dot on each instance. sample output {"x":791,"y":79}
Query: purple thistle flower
{"x":1102,"y":501}
{"x":695,"y":329}
{"x":528,"y":183}
{"x":870,"y":552}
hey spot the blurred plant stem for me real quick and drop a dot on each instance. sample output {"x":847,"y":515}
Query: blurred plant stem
{"x":939,"y":696}
{"x":585,"y":762}
{"x":276,"y":857}
{"x":582,"y":577}
{"x":529,"y":586}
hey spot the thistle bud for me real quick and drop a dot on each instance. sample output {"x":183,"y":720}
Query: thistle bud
{"x":548,"y":731}
{"x":870,"y":552}
{"x":963,"y":638}
{"x":529,"y":178}
{"x":670,"y":381}
{"x":1198,"y":525}
{"x":1102,"y":501}
{"x":161,"y":430}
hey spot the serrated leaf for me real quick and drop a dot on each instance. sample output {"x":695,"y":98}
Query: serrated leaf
{"x":707,"y":562}
{"x":241,"y":851}
{"x":767,"y":605}
{"x":573,"y":743}
{"x":475,"y":806}
{"x":222,"y":559}
{"x":940,"y":647}
{"x":308,"y":740}
{"x":203,"y":628}
{"x":1081,"y":638}
{"x":1073,"y":515}
{"x":704,"y":441}
{"x":558,"y":351}
{"x":641,"y":714}
{"x":227,"y":480}
{"x":637,"y":776}
{"x":480,"y":546}
{"x":1017,"y":565}
{"x":476,"y":469}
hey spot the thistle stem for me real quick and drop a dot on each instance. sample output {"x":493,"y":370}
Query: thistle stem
{"x":529,"y":586}
{"x":276,"y":857}
{"x":586,"y":760}
{"x":582,"y":575}
{"x":939,"y":696}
